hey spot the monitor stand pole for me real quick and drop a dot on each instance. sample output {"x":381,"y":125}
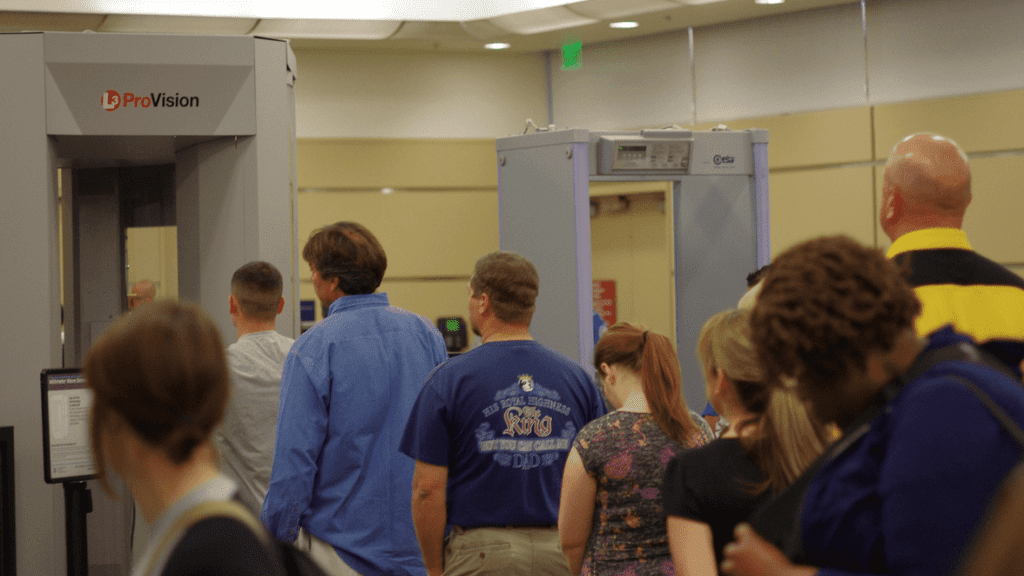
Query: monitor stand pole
{"x":77,"y":503}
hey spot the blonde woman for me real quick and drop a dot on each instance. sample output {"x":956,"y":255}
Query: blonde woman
{"x":770,"y":440}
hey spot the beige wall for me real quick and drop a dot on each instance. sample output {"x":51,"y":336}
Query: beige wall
{"x":811,"y":60}
{"x":151,"y":253}
{"x":835,"y":92}
{"x":443,"y":215}
{"x":432,"y":239}
{"x":403,"y":163}
{"x":394,"y":94}
{"x":826,"y":169}
{"x":440,"y":217}
{"x":634,"y":248}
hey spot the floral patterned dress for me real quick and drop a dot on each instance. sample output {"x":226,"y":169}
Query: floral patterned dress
{"x":627,"y":453}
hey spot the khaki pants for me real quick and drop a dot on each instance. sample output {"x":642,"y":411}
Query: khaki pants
{"x":323,"y":554}
{"x":504,"y":551}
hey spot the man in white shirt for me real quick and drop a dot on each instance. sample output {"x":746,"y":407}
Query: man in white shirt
{"x":246,"y":437}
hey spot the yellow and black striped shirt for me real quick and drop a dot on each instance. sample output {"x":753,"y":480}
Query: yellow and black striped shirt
{"x":958,"y":286}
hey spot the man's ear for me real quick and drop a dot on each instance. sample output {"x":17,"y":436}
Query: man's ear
{"x":485,"y":302}
{"x":232,"y":304}
{"x":892,"y":206}
{"x":280,"y":305}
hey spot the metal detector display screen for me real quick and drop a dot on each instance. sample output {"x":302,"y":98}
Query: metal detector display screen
{"x":66,"y":403}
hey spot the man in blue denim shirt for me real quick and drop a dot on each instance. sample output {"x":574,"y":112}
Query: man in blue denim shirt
{"x":339,"y":485}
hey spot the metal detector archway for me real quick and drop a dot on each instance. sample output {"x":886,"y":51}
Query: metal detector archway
{"x":720,"y":201}
{"x":88,"y":114}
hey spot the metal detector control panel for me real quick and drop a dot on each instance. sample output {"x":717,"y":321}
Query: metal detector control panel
{"x":629,"y":154}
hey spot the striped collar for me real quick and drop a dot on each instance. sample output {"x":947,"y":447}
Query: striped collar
{"x":929,"y":238}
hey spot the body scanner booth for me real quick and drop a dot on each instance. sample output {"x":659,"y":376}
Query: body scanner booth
{"x":102,"y":134}
{"x":720,"y":220}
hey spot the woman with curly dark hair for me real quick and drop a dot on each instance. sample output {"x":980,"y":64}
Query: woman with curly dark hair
{"x":921,"y":454}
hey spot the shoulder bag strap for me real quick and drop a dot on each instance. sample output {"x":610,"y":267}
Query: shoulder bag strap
{"x":202,"y":511}
{"x":967,"y":352}
{"x":1004,"y":419}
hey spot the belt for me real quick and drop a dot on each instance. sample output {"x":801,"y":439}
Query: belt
{"x":463,"y":530}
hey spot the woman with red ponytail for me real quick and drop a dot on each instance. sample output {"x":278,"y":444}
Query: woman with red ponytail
{"x":610,"y":520}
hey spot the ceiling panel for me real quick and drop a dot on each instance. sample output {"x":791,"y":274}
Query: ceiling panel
{"x":531,"y":31}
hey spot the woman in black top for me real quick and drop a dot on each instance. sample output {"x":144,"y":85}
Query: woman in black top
{"x":770,"y":440}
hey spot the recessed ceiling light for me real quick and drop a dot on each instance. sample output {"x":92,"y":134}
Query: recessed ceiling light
{"x":769,"y":1}
{"x":386,"y":190}
{"x":623,"y":25}
{"x":498,"y":46}
{"x":438,"y":10}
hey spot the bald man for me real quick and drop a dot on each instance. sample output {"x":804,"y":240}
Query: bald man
{"x":926,"y":191}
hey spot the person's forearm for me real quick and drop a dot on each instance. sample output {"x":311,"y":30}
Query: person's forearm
{"x":574,"y":554}
{"x":429,"y":518}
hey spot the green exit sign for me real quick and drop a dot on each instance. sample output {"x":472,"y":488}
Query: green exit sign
{"x":453,"y":325}
{"x":572,"y":56}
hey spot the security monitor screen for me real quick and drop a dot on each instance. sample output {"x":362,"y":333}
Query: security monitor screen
{"x":66,"y":403}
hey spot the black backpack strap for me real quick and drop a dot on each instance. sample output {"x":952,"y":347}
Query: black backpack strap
{"x":997,"y":411}
{"x":967,"y":352}
{"x":960,"y":352}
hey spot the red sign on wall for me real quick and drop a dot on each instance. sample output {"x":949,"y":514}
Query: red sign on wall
{"x":604,"y":300}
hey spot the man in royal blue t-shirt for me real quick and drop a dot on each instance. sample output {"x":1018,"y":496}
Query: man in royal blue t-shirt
{"x":490,"y":433}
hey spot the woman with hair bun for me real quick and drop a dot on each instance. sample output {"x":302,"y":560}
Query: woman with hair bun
{"x":160,"y":386}
{"x":769,"y":442}
{"x":610,"y":519}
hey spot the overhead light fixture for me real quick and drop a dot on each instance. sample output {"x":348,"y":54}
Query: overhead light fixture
{"x":336,"y":29}
{"x":136,"y":23}
{"x":538,"y":21}
{"x":615,"y":9}
{"x":440,"y":10}
{"x":18,"y":21}
{"x":483,"y":30}
{"x":769,"y":1}
{"x":498,"y":46}
{"x":624,"y":25}
{"x":697,"y":2}
{"x":386,"y":190}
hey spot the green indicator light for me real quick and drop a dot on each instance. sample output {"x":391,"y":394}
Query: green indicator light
{"x":572,"y":56}
{"x":453,"y":325}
